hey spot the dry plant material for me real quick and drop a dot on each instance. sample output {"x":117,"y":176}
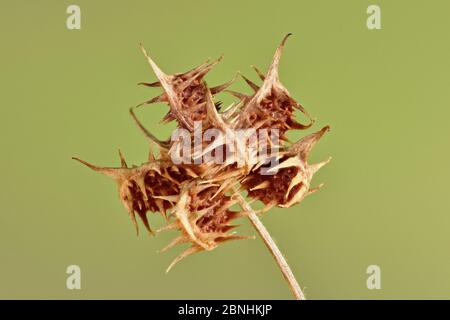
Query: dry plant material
{"x":197,"y":198}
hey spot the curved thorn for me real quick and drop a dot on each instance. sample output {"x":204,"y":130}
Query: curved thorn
{"x":260,"y":74}
{"x":303,"y":147}
{"x":173,"y":243}
{"x":112,"y":172}
{"x":250,"y":83}
{"x":194,"y":70}
{"x":148,"y":134}
{"x":183,"y":255}
{"x":316,"y":166}
{"x":220,"y":88}
{"x":123,"y":163}
{"x":201,"y":73}
{"x":303,"y":110}
{"x":272,"y":73}
{"x":148,"y":84}
{"x":237,"y":94}
{"x":212,"y":113}
{"x":156,"y":99}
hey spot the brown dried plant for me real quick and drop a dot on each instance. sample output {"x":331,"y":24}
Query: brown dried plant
{"x":197,"y":199}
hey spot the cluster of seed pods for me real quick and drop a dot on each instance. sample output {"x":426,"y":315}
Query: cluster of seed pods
{"x":197,"y":199}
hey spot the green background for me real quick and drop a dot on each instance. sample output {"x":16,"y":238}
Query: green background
{"x":384,"y":92}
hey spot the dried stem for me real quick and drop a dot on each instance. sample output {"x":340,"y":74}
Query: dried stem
{"x":271,"y":245}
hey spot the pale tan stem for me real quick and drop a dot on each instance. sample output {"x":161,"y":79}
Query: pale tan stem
{"x":271,"y":245}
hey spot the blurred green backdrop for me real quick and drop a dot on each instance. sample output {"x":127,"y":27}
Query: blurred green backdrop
{"x":384,"y":92}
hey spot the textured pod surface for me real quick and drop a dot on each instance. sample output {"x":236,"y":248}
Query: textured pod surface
{"x":292,"y":177}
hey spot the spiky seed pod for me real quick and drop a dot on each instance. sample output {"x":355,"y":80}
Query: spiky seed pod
{"x":152,"y":187}
{"x":199,"y":197}
{"x":203,"y":216}
{"x":184,"y":92}
{"x":271,"y":106}
{"x":290,"y":181}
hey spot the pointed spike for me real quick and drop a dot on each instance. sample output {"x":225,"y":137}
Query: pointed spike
{"x":148,"y":134}
{"x":228,"y":228}
{"x":230,"y":107}
{"x":200,"y":213}
{"x":133,"y":219}
{"x":262,"y":185}
{"x":201,"y":73}
{"x":231,"y":110}
{"x":250,"y":83}
{"x":266,"y":208}
{"x":260,"y":74}
{"x":162,"y":77}
{"x":173,"y":198}
{"x":191,"y":172}
{"x":218,"y":105}
{"x":213,"y":115}
{"x":296,"y":125}
{"x":315,"y":167}
{"x":160,"y":205}
{"x":167,"y":175}
{"x":303,"y":110}
{"x":144,"y":219}
{"x":170,"y":226}
{"x":211,"y":65}
{"x":151,"y":155}
{"x":184,"y":254}
{"x":173,"y":243}
{"x":123,"y":163}
{"x":305,"y":145}
{"x":160,"y":98}
{"x":152,"y":84}
{"x":225,"y":185}
{"x":272,"y":73}
{"x":204,"y":186}
{"x":195,"y":70}
{"x":247,"y":178}
{"x":221,"y":140}
{"x":295,"y":181}
{"x":167,"y":118}
{"x":311,"y":191}
{"x":220,"y":88}
{"x":230,"y":237}
{"x":238,"y":95}
{"x":111,"y":172}
{"x":208,"y":68}
{"x":141,"y":185}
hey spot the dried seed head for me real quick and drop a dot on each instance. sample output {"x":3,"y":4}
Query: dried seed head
{"x":197,"y":199}
{"x":154,"y":186}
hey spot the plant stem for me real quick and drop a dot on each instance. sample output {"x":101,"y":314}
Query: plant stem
{"x":271,"y":245}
